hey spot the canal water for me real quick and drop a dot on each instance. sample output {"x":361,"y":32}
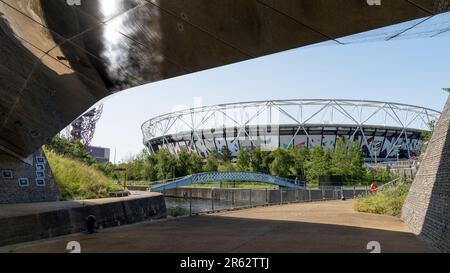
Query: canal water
{"x":181,"y":206}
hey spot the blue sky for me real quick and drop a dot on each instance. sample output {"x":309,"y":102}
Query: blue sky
{"x":411,"y":71}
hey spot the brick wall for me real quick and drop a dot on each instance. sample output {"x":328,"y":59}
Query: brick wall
{"x":427,"y":207}
{"x":21,"y":182}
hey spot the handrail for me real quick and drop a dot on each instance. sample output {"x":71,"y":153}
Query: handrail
{"x":168,"y":180}
{"x":390,"y":184}
{"x":207,"y":177}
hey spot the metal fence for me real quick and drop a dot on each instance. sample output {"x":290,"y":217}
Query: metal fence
{"x":188,"y":201}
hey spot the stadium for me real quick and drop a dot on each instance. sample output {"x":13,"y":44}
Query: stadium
{"x":384,"y":130}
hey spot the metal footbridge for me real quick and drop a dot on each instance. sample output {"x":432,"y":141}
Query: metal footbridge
{"x":209,"y":177}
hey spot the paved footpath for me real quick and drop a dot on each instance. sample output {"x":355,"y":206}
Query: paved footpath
{"x":331,"y":226}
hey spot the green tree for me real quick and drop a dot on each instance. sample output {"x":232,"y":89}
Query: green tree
{"x":106,"y":168}
{"x":166,"y":165}
{"x":225,"y":154}
{"x":427,"y":134}
{"x":341,"y":158}
{"x":212,"y":163}
{"x":184,"y":163}
{"x":282,"y":163}
{"x":72,"y":149}
{"x":196,"y":165}
{"x":243,"y":161}
{"x":135,"y":166}
{"x":356,"y":170}
{"x":260,"y":160}
{"x":378,"y":174}
{"x":150,"y":169}
{"x":227,"y":167}
{"x":257,"y":160}
{"x":318,"y":164}
{"x":299,"y":159}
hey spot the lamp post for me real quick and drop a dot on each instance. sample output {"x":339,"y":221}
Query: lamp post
{"x":125,"y":178}
{"x":397,"y":150}
{"x":375,"y":147}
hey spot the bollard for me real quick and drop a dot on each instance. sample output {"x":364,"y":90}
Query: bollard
{"x":267,"y":197}
{"x":309,"y":193}
{"x":90,"y":224}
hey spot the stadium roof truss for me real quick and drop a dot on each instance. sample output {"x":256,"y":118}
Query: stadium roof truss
{"x":301,"y":113}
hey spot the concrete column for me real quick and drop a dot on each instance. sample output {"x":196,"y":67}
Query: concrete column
{"x":427,"y":208}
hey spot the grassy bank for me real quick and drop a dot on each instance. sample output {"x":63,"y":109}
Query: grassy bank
{"x":77,"y":180}
{"x":388,"y":201}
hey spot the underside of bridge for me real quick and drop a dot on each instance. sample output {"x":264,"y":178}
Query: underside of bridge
{"x":60,"y":57}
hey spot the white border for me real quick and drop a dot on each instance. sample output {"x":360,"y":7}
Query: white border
{"x":7,"y":178}
{"x":24,"y":178}
{"x":40,"y":185}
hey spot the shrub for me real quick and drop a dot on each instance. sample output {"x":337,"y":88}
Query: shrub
{"x":227,"y":167}
{"x":389,"y":201}
{"x":72,"y":149}
{"x":78,"y":180}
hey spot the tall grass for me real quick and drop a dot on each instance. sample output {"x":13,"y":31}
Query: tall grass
{"x":77,"y":180}
{"x":388,"y":201}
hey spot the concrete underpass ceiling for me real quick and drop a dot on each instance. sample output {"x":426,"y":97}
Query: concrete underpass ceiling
{"x":57,"y":59}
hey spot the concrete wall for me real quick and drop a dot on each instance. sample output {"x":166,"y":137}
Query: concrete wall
{"x":261,"y":195}
{"x":10,"y":189}
{"x":66,"y":220}
{"x":427,"y":207}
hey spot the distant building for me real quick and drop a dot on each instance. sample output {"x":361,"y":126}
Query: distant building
{"x":100,"y":154}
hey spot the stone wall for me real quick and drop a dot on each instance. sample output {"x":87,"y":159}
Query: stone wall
{"x":70,"y":216}
{"x":22,"y":182}
{"x":427,"y":208}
